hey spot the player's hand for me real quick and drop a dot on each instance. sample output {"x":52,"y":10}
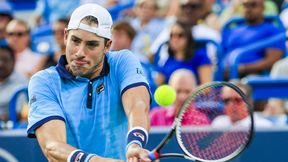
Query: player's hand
{"x":137,"y":154}
{"x":101,"y":159}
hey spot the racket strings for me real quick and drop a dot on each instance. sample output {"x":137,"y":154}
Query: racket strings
{"x":207,"y":142}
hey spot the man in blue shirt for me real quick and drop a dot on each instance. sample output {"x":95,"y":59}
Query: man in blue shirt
{"x":82,"y":109}
{"x":254,"y":29}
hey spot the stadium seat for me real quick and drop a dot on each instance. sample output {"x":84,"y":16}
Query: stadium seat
{"x":218,"y":74}
{"x":43,"y":39}
{"x":115,"y":11}
{"x":13,"y":117}
{"x":266,"y":87}
{"x":242,"y":52}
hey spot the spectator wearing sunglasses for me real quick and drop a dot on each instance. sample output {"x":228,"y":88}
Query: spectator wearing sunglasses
{"x":181,"y":51}
{"x":233,"y":108}
{"x":194,"y":13}
{"x":18,"y":37}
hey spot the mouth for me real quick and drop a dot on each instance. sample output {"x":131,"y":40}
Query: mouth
{"x":80,"y":62}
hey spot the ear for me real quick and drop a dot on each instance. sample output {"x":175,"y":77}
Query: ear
{"x":107,"y":46}
{"x":66,"y":32}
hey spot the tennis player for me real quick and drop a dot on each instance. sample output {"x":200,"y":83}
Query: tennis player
{"x":82,"y":109}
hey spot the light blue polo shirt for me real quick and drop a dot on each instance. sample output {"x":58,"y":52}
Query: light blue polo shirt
{"x":92,"y":109}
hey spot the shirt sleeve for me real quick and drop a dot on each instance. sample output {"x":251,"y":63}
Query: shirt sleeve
{"x":43,"y":102}
{"x":130,"y":72}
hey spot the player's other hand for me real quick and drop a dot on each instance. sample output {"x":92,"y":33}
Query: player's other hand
{"x":101,"y":159}
{"x":137,"y":154}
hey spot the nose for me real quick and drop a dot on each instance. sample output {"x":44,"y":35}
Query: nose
{"x":80,"y":52}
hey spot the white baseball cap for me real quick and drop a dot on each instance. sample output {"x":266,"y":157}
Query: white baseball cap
{"x":91,"y":9}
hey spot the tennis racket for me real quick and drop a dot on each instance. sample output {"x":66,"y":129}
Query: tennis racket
{"x":210,"y":142}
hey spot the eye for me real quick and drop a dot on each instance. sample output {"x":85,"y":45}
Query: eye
{"x":92,"y":44}
{"x":76,"y":40}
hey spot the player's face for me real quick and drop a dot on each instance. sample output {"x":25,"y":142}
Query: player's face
{"x":85,"y":53}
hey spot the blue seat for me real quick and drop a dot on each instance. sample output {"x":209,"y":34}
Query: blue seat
{"x":266,"y":87}
{"x":218,"y":74}
{"x":43,"y":40}
{"x":245,"y":51}
{"x":116,"y":10}
{"x":13,"y":116}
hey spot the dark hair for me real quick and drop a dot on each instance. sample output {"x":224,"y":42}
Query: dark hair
{"x":191,"y":44}
{"x":63,"y":20}
{"x":9,"y":50}
{"x":126,"y":27}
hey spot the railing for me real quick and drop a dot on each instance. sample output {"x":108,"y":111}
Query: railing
{"x":239,"y":53}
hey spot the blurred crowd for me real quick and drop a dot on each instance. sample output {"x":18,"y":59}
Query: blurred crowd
{"x":184,"y":43}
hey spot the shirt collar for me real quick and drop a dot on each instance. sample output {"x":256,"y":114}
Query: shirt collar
{"x":64,"y":73}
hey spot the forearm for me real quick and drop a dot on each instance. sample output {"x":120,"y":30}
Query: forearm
{"x":139,"y":116}
{"x":136,"y":102}
{"x":255,"y":67}
{"x":57,"y":151}
{"x":271,"y":56}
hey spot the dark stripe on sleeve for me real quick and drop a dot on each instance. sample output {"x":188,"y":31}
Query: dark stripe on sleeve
{"x":41,"y":122}
{"x":136,"y":85}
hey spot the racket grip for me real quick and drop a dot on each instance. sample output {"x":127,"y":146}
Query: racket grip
{"x":153,"y":155}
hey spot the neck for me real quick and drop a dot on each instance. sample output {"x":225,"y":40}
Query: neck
{"x":179,"y":55}
{"x":255,"y":22}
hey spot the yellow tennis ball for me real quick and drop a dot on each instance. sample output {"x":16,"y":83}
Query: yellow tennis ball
{"x":165,"y":95}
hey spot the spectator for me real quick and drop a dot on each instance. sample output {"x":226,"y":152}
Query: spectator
{"x":58,"y":32}
{"x":10,"y":81}
{"x":254,"y":29}
{"x":200,"y":29}
{"x":279,"y":70}
{"x":18,"y":37}
{"x":147,"y":25}
{"x":235,"y":9}
{"x":275,"y":112}
{"x":181,"y":51}
{"x":5,"y":16}
{"x":234,"y":108}
{"x":122,"y":36}
{"x":184,"y":82}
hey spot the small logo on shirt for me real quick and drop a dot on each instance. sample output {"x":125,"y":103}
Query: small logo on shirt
{"x":139,"y":71}
{"x":100,"y":88}
{"x":141,"y":136}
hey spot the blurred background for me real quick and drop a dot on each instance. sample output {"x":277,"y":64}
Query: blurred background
{"x":214,"y":40}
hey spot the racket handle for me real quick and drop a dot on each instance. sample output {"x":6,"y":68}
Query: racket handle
{"x":153,"y":155}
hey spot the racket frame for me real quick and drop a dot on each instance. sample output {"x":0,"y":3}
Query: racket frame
{"x":175,"y":128}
